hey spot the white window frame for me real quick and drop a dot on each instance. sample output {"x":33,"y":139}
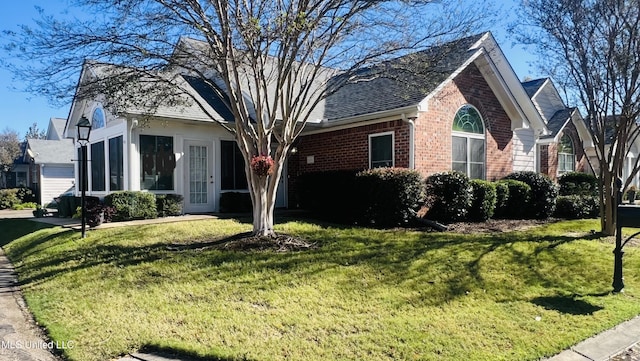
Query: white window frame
{"x":567,"y":155}
{"x":393,"y":146}
{"x":467,"y":136}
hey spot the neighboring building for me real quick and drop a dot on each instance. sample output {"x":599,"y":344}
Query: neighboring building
{"x":50,"y":163}
{"x":457,"y":106}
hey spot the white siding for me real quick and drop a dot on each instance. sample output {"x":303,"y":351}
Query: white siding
{"x":524,"y":155}
{"x":56,"y":179}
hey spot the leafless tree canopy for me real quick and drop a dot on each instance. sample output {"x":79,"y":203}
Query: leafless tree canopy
{"x":592,"y":49}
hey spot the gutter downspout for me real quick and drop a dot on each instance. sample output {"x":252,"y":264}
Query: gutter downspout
{"x":412,"y":126}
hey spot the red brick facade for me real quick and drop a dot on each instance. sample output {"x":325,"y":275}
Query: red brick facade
{"x":433,"y":128}
{"x":549,"y":154}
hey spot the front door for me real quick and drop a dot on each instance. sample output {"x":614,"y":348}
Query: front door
{"x":199,"y":177}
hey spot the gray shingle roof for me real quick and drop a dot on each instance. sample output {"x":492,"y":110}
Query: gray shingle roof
{"x":398,"y":83}
{"x":52,"y":151}
{"x":532,"y":86}
{"x":558,"y":121}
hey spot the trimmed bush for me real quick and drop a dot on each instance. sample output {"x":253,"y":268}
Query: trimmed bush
{"x":235,"y":202}
{"x":8,"y":198}
{"x":576,"y":207}
{"x":502,"y":197}
{"x":517,"y":202}
{"x":131,"y":205}
{"x":389,"y":196}
{"x":169,"y":205}
{"x":483,"y":200}
{"x":448,"y":196}
{"x":576,"y":183}
{"x":543,"y":193}
{"x":329,"y":195}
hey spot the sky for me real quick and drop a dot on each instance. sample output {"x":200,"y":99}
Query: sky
{"x":19,"y":110}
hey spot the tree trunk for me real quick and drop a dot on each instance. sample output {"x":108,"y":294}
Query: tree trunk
{"x":263,"y":191}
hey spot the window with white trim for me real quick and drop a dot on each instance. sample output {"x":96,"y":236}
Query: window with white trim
{"x":566,"y":155}
{"x":468,"y":152}
{"x":98,"y":119}
{"x":381,"y":151}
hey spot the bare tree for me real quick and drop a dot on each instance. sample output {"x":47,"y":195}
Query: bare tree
{"x":35,"y":133}
{"x":592,"y":49}
{"x":272,"y":61}
{"x":9,"y":151}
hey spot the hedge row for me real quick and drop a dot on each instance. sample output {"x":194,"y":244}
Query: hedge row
{"x":390,"y":197}
{"x":130,"y":205}
{"x":382,"y":197}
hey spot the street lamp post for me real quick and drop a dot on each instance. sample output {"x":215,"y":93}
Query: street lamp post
{"x":84,"y":130}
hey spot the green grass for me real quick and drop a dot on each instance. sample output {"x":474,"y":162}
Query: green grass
{"x":363,"y":295}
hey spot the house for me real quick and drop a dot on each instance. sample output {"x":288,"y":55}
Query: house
{"x":455,"y":106}
{"x":50,"y":163}
{"x":473,"y":115}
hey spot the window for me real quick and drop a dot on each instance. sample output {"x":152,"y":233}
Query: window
{"x":381,"y":150}
{"x":158,"y":162}
{"x":116,"y":172}
{"x":98,"y":119}
{"x":468,"y":143}
{"x":232,"y":163}
{"x":21,"y":179}
{"x":97,"y":167}
{"x":566,"y":155}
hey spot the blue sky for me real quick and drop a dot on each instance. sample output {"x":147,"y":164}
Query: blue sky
{"x":19,"y":110}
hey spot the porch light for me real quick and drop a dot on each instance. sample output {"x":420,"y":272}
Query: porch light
{"x":84,"y":129}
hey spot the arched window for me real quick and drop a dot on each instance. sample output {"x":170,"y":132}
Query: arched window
{"x":98,"y":119}
{"x":566,"y":155}
{"x":468,"y":139}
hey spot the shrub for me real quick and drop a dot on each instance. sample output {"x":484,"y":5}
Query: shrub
{"x":543,"y":193}
{"x":517,"y":201}
{"x":25,"y":195}
{"x":576,"y":183}
{"x":577,"y":206}
{"x":235,"y":202}
{"x":448,"y":196}
{"x":131,"y":205}
{"x":483,"y":200}
{"x":502,"y":197}
{"x":8,"y":198}
{"x":169,"y":205}
{"x":389,"y":196}
{"x":329,"y":195}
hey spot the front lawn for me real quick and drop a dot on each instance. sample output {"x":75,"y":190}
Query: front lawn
{"x":363,"y":294}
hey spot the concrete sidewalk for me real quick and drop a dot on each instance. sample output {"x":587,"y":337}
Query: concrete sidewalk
{"x":20,"y":338}
{"x":608,"y":345}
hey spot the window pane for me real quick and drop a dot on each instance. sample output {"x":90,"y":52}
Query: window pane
{"x":476,"y":171}
{"x":459,"y":167}
{"x":232,"y":167}
{"x":459,"y":149}
{"x":158,"y":162}
{"x":381,"y":151}
{"x":116,"y":169}
{"x":97,"y":167}
{"x":468,"y":120}
{"x":477,"y":150}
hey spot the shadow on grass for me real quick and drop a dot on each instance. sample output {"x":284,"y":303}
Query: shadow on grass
{"x":440,"y":267}
{"x":566,"y":304}
{"x":184,"y":355}
{"x":13,"y":229}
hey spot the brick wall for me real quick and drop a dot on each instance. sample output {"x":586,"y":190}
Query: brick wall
{"x":549,"y":162}
{"x":433,"y":128}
